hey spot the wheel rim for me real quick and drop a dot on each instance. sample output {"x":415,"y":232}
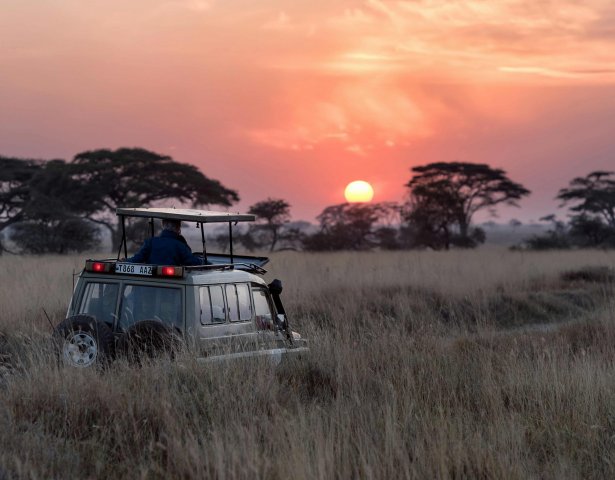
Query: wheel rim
{"x":80,"y":349}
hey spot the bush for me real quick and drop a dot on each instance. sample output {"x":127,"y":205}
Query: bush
{"x":55,"y":236}
{"x":548,"y":241}
{"x":591,"y":231}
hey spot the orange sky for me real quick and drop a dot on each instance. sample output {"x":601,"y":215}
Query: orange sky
{"x":296,"y":99}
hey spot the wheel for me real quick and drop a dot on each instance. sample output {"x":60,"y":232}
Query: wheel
{"x":149,"y":339}
{"x":84,"y":342}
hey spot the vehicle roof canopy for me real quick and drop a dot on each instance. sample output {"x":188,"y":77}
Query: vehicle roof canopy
{"x":185,"y":214}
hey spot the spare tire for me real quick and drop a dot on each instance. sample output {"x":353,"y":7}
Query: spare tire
{"x":149,"y":339}
{"x":84,"y":342}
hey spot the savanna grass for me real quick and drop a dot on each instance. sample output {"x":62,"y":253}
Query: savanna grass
{"x":483,"y":364}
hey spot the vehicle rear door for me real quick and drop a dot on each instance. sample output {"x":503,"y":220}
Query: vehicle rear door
{"x":151,"y":301}
{"x":99,"y":299}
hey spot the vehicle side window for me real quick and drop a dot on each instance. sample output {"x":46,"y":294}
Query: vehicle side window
{"x":142,"y":302}
{"x":238,"y":301}
{"x":262,"y":309}
{"x":245,"y":306}
{"x":99,"y":300}
{"x":212,"y":305}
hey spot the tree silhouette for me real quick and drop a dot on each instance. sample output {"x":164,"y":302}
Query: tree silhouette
{"x":444,"y":197}
{"x":271,"y":216}
{"x":55,"y":235}
{"x":51,"y":220}
{"x":557,"y":237}
{"x":591,"y":231}
{"x":350,"y":226}
{"x":15,"y":177}
{"x":593,"y":195}
{"x":42,"y":205}
{"x":135,"y":177}
{"x":430,"y":222}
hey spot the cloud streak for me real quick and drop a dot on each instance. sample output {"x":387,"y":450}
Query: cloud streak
{"x":375,"y":43}
{"x":549,"y":72}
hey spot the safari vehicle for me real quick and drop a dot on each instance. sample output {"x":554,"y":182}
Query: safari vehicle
{"x":221,"y":309}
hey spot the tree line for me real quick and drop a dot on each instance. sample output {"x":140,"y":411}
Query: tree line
{"x":592,"y":220}
{"x":59,"y":206}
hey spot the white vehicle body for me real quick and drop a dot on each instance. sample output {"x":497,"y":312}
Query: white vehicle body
{"x":220,"y":310}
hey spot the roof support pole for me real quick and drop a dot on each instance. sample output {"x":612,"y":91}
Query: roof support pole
{"x":230,"y":236}
{"x":124,"y":236}
{"x":151,"y":226}
{"x":203,"y":240}
{"x":123,"y":242}
{"x":119,"y":250}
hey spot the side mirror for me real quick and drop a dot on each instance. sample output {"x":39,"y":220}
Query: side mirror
{"x":275,"y":287}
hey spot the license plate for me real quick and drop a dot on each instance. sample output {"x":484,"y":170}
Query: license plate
{"x":133,"y":269}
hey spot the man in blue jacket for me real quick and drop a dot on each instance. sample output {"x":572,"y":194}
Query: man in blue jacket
{"x":169,"y":248}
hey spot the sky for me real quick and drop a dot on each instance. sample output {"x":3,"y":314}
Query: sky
{"x":294,"y":100}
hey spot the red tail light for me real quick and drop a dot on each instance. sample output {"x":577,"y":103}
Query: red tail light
{"x":98,"y":267}
{"x":170,"y":271}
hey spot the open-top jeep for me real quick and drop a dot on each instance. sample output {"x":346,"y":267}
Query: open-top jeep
{"x":218,"y":310}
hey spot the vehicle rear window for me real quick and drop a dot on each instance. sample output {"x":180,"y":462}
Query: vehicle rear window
{"x":261,"y":304}
{"x":262,"y":309}
{"x":238,"y":301}
{"x":212,"y":305}
{"x":99,"y":300}
{"x":142,"y":302}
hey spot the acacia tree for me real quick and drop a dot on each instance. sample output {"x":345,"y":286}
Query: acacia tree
{"x":594,"y":196}
{"x":135,"y":177}
{"x":445,"y":196}
{"x":429,"y":225}
{"x":15,"y":177}
{"x":271,"y":216}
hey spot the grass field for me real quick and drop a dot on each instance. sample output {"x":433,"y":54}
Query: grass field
{"x":477,"y":364}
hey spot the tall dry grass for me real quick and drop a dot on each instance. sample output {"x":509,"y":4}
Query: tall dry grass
{"x":477,"y":364}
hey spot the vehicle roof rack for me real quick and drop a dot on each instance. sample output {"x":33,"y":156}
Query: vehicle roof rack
{"x":186,"y":214}
{"x":201,"y":217}
{"x":246,"y":267}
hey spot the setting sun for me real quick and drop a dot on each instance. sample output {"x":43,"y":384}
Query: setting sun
{"x":359,"y":192}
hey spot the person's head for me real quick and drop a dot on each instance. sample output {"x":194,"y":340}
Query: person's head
{"x":172,"y":225}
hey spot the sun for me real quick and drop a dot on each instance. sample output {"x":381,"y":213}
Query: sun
{"x":359,"y":191}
